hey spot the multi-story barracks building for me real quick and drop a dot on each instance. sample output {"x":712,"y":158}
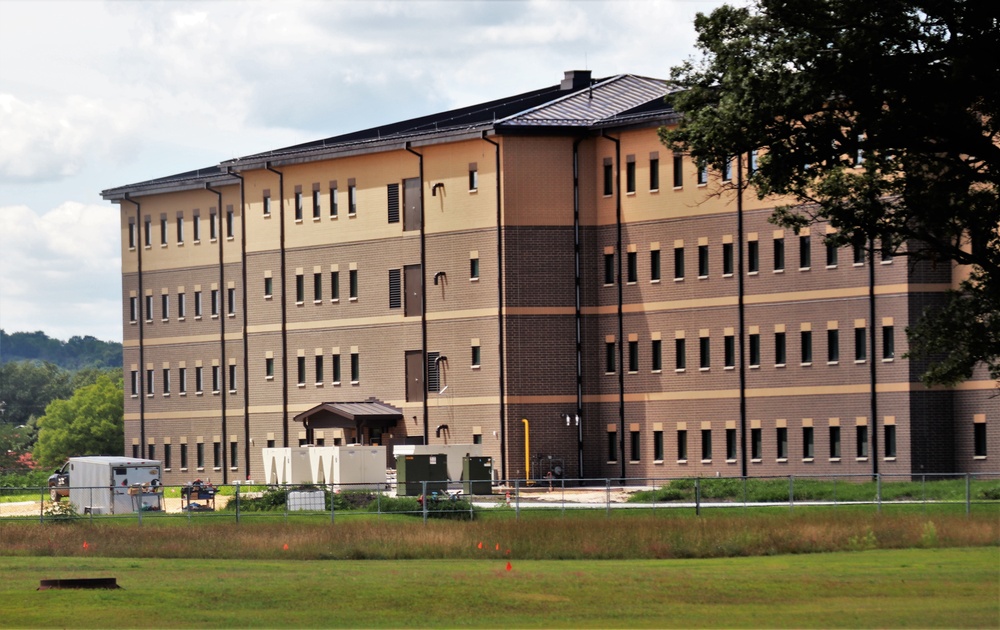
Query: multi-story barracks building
{"x":536,"y":274}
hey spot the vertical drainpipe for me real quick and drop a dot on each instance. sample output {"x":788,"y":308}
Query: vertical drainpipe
{"x":500,"y":346}
{"x":223,"y":366}
{"x":246,"y":340}
{"x":618,"y":281}
{"x":871,"y":354}
{"x":284,"y":305}
{"x":139,"y":246}
{"x":741,"y":314}
{"x":578,"y":312}
{"x":423,"y":290}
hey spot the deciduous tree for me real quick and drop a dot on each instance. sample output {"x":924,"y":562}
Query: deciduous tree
{"x":91,"y":422}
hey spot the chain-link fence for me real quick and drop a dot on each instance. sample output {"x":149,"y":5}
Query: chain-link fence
{"x":960,"y":492}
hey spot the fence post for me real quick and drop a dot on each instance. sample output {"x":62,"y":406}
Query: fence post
{"x":968,"y":494}
{"x":607,"y":497}
{"x":791,"y":492}
{"x":878,"y":491}
{"x":517,"y":499}
{"x":237,"y":499}
{"x":423,"y":503}
{"x":697,"y":496}
{"x":333,"y":504}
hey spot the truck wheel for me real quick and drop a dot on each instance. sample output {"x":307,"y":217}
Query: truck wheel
{"x":54,"y":495}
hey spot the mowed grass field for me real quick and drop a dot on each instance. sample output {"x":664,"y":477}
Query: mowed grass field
{"x":917,"y":588}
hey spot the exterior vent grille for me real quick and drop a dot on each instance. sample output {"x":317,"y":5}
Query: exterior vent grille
{"x":395,"y":289}
{"x":393,"y":194}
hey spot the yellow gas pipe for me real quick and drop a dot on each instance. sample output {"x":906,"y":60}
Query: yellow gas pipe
{"x":527,"y":451}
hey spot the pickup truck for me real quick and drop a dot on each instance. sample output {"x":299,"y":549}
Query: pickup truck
{"x":59,"y":483}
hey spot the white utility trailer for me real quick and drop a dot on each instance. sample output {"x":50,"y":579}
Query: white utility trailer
{"x":115,"y":485}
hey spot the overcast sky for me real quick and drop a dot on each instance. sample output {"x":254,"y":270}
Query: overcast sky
{"x":95,"y":95}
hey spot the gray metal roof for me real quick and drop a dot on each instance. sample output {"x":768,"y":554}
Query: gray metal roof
{"x":354,"y":410}
{"x":601,"y":102}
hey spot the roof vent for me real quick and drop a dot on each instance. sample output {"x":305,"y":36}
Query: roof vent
{"x":575,"y":80}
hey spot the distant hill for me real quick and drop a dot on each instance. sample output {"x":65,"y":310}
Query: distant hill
{"x":77,"y":353}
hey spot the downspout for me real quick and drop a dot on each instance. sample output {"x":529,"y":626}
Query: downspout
{"x":741,"y":314}
{"x":246,"y":340}
{"x":223,"y":366}
{"x":284,"y":306}
{"x":618,"y":281}
{"x":578,"y":313}
{"x":139,"y":246}
{"x":871,"y":352}
{"x":500,"y":315}
{"x":423,"y":292}
{"x":527,"y":451}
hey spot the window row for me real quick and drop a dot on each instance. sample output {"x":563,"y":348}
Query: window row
{"x":180,"y":227}
{"x":166,"y":455}
{"x":178,"y":307}
{"x":631,"y":270}
{"x":175,"y":380}
{"x":754,"y":353}
{"x":778,"y":448}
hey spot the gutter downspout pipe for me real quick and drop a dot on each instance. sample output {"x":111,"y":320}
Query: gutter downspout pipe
{"x":223,"y":365}
{"x":423,"y":291}
{"x":500,"y":315}
{"x":246,"y":340}
{"x":140,"y":301}
{"x":578,"y":311}
{"x":618,"y":281}
{"x":873,"y":391}
{"x":741,"y":314}
{"x":284,"y":305}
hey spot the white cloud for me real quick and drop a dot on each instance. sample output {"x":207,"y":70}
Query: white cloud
{"x":60,"y":271}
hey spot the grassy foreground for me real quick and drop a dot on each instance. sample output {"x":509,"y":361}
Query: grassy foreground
{"x":889,"y":589}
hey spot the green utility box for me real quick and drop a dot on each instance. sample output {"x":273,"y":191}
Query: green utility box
{"x":477,"y":475}
{"x":413,"y":470}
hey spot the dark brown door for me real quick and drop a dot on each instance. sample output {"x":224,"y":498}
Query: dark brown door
{"x":413,"y":279}
{"x":414,"y":376}
{"x":411,"y":204}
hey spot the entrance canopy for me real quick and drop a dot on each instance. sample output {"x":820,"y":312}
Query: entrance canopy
{"x":359,"y":417}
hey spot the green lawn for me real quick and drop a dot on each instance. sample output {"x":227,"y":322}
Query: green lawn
{"x":882,"y":588}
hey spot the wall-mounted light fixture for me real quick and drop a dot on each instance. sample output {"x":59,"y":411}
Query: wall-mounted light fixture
{"x":570,"y":419}
{"x":434,"y":189}
{"x":439,"y":275}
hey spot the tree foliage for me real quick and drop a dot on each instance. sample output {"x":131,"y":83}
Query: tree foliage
{"x":76,"y":353}
{"x":91,"y":422}
{"x":880,"y":118}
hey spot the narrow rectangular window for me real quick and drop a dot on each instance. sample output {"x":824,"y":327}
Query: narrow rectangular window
{"x":630,"y":177}
{"x":298,"y":205}
{"x":148,"y":232}
{"x":834,"y":442}
{"x":779,"y":348}
{"x":862,"y":438}
{"x":658,"y":446}
{"x":150,"y":390}
{"x":317,"y":287}
{"x":752,"y":163}
{"x":182,"y":380}
{"x":166,"y":381}
{"x":232,"y":378}
{"x":474,"y":269}
{"x":753,"y":256}
{"x":135,"y":382}
{"x":269,"y":367}
{"x":180,"y":229}
{"x":979,"y":439}
{"x":319,"y":369}
{"x":678,"y":263}
{"x":213,"y":226}
{"x":831,"y":254}
{"x":779,"y":254}
{"x":860,"y":345}
{"x":609,"y":268}
{"x":166,"y":456}
{"x":609,"y":173}
{"x":268,"y":286}
{"x":609,"y":357}
{"x":199,"y":379}
{"x":731,"y":444}
{"x":473,"y":177}
{"x":201,"y":454}
{"x":233,"y":452}
{"x":729,"y":343}
{"x":635,"y":447}
{"x":151,"y":451}
{"x":216,"y":379}
{"x":317,"y":208}
{"x":131,"y":235}
{"x":754,"y":350}
{"x":703,"y":261}
{"x":231,"y":300}
{"x":335,"y":368}
{"x":184,"y":456}
{"x":806,"y":341}
{"x":756,"y":444}
{"x":334,"y":202}
{"x":702,"y":173}
{"x":705,"y":352}
{"x":858,"y":249}
{"x":654,"y":174}
{"x":612,"y":446}
{"x":335,"y":286}
{"x":832,"y":346}
{"x":889,"y":443}
{"x":163,"y":231}
{"x":267,"y":203}
{"x":633,"y":356}
{"x":727,"y":170}
{"x":782,"y":440}
{"x":807,"y":443}
{"x":215,"y":302}
{"x":654,"y":265}
{"x":633,"y":268}
{"x":230,"y":223}
{"x":888,"y":343}
{"x":196,"y":228}
{"x":301,"y":370}
{"x":706,"y":444}
{"x":353,"y":279}
{"x":678,"y":171}
{"x":352,"y":199}
{"x":181,"y":306}
{"x":805,"y":252}
{"x":149,"y":308}
{"x":216,"y":454}
{"x":680,"y":352}
{"x":682,"y":444}
{"x":657,"y":351}
{"x":133,"y":309}
{"x":477,"y":356}
{"x":300,"y":288}
{"x":355,"y":367}
{"x":727,"y":259}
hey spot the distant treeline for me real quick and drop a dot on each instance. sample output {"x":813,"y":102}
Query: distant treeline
{"x":75,"y":354}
